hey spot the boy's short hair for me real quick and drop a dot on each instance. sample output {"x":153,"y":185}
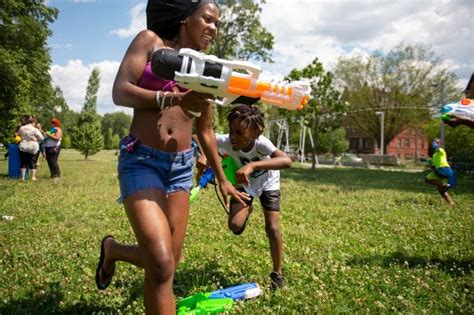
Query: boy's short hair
{"x":250,"y":114}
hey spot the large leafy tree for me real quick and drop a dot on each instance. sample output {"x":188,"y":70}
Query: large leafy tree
{"x":87,"y":136}
{"x":399,"y":83}
{"x":241,"y":36}
{"x":24,"y":61}
{"x":325,"y":108}
{"x":119,"y":122}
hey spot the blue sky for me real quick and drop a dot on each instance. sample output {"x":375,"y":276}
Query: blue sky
{"x":96,"y":33}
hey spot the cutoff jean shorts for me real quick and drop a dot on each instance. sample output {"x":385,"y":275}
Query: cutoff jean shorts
{"x":145,"y":167}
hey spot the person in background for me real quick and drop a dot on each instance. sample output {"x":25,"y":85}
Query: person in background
{"x":41,"y":146}
{"x":29,"y":146}
{"x":442,"y":176}
{"x":52,"y":147}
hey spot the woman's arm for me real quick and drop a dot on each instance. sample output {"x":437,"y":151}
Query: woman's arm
{"x":125,"y":91}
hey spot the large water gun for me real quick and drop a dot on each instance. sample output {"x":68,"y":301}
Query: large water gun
{"x":463,"y":109}
{"x":218,"y":301}
{"x":226,"y":79}
{"x":230,"y":169}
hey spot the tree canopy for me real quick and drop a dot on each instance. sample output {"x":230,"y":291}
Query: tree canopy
{"x":399,"y":83}
{"x":324,"y":110}
{"x":25,"y":83}
{"x":240,"y":36}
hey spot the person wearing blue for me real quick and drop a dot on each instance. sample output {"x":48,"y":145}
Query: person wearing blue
{"x":442,"y":176}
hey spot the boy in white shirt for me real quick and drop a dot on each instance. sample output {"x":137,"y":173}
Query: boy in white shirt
{"x":259,"y":162}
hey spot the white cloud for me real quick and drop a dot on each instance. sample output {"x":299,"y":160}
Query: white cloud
{"x":305,"y":29}
{"x":137,"y":23}
{"x":72,"y":78}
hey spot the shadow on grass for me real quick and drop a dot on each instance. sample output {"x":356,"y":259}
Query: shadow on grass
{"x":49,"y":302}
{"x":207,"y":275}
{"x":362,"y":179}
{"x":453,"y":267}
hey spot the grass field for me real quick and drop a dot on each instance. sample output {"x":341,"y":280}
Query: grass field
{"x":356,"y":241}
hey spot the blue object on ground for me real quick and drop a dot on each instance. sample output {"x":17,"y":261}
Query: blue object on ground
{"x":236,"y":292}
{"x":13,"y":161}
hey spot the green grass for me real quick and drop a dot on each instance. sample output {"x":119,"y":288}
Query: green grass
{"x":356,"y":241}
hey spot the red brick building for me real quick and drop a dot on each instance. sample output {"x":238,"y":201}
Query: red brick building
{"x":409,"y":144}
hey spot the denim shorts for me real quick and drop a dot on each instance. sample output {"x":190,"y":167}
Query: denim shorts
{"x":145,"y":167}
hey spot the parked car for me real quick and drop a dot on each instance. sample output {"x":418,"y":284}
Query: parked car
{"x":351,"y":157}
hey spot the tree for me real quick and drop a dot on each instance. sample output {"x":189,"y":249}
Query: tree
{"x":87,"y":136}
{"x":398,"y":83}
{"x":333,"y":142}
{"x":25,"y":86}
{"x":241,"y":36}
{"x":325,"y":108}
{"x":119,"y":122}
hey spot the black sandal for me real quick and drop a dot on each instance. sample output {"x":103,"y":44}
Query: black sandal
{"x":108,"y":276}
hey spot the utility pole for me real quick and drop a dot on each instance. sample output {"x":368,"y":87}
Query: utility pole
{"x":382,"y":116}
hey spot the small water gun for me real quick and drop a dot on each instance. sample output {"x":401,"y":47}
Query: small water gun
{"x":230,"y":169}
{"x":218,"y":301}
{"x":463,"y":109}
{"x":226,"y":79}
{"x":239,"y":292}
{"x":201,"y":304}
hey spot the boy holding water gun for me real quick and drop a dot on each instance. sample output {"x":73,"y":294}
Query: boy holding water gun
{"x":259,"y":162}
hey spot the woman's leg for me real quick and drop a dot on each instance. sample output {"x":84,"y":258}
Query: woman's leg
{"x":177,"y":212}
{"x":153,"y":234}
{"x":49,"y":158}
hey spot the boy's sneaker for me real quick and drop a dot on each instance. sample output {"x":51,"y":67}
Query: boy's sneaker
{"x":277,"y":281}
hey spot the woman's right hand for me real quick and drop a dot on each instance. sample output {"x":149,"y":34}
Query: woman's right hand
{"x":194,"y":101}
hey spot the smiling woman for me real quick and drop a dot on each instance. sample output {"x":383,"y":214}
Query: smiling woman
{"x":156,"y":160}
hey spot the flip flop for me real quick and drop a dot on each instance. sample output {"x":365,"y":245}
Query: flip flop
{"x":108,"y":276}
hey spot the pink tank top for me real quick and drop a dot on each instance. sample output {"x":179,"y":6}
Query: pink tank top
{"x":150,"y":81}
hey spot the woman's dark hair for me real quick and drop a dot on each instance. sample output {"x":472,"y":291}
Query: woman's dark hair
{"x":164,"y":17}
{"x":249,"y":114}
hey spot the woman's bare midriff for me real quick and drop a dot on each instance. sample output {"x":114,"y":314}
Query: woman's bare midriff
{"x":171,"y":130}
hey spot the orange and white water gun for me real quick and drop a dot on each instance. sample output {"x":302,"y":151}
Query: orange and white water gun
{"x":226,"y":79}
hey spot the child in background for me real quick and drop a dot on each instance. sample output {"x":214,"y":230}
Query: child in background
{"x":259,"y":162}
{"x":442,"y":175}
